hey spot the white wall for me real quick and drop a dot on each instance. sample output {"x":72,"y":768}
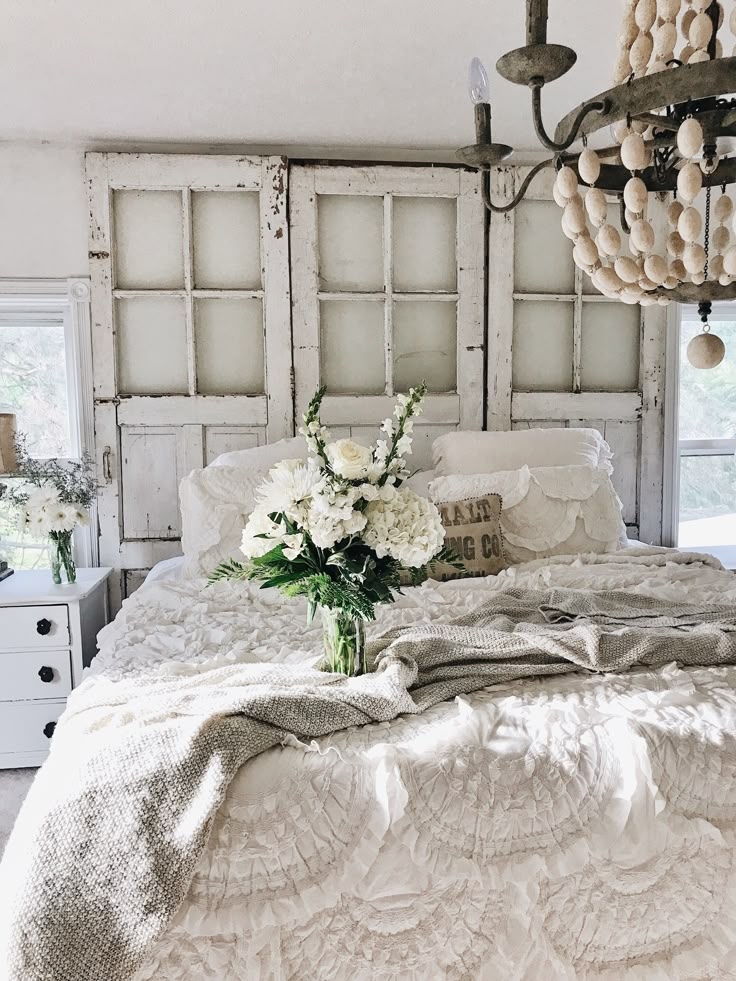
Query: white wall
{"x":43,"y":212}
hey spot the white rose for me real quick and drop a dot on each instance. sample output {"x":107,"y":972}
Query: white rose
{"x":349,"y":459}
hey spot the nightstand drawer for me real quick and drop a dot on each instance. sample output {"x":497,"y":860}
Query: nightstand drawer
{"x":27,"y":727}
{"x":23,"y":627}
{"x":31,"y":674}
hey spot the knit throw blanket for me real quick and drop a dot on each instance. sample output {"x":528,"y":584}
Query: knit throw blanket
{"x":108,"y":839}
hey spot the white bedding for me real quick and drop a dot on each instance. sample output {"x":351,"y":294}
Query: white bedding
{"x":579,"y":827}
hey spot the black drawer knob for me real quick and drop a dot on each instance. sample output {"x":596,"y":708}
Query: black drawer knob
{"x":48,"y":729}
{"x":46,"y":674}
{"x":43,"y":626}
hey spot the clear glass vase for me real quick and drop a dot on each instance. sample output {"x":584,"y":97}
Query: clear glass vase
{"x":62,"y":557}
{"x":344,"y":642}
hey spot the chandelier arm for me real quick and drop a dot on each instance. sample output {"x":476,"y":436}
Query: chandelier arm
{"x":501,"y":209}
{"x":584,"y":111}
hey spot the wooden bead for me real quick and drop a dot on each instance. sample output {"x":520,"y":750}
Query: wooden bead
{"x":663,"y":301}
{"x":700,"y":5}
{"x":715,"y":267}
{"x":589,"y":166}
{"x":627,"y":31}
{"x":675,"y":244}
{"x":732,"y":20}
{"x":686,"y":22}
{"x":690,"y":224}
{"x":665,"y":39}
{"x":655,"y":269}
{"x":635,"y":195}
{"x":723,"y":208}
{"x":567,"y":182}
{"x":642,"y":235}
{"x":621,"y":66}
{"x":668,"y":9}
{"x":678,"y":270}
{"x":689,"y":182}
{"x":685,"y":54}
{"x":725,"y":280}
{"x":673,"y":212}
{"x":670,"y":283}
{"x":641,"y":52}
{"x":706,"y":351}
{"x":608,"y":240}
{"x":608,"y":279}
{"x":596,"y":206}
{"x":575,"y":214}
{"x":645,"y":14}
{"x":646,"y":284}
{"x":720,"y":238}
{"x":694,"y":258}
{"x":585,"y":252}
{"x":626,"y":269}
{"x":699,"y":56}
{"x":631,"y":217}
{"x":559,"y":199}
{"x":729,"y":261}
{"x":634,"y":152}
{"x":648,"y":301}
{"x":700,"y":31}
{"x":569,"y":232}
{"x":689,"y":137}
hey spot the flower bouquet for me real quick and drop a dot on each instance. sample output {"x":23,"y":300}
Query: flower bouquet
{"x":340,"y":529}
{"x":53,"y":500}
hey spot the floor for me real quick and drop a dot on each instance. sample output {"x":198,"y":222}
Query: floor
{"x":14,"y":786}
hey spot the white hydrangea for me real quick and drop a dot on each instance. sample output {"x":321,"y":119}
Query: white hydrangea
{"x":405,"y":526}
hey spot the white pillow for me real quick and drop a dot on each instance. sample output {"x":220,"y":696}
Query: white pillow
{"x":546,"y":510}
{"x":215,"y":504}
{"x":474,"y":452}
{"x":262,"y":458}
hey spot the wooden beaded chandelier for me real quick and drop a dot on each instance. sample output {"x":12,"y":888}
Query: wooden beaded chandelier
{"x":670,"y":166}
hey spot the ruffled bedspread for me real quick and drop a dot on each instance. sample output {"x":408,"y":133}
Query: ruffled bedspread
{"x":578,"y":827}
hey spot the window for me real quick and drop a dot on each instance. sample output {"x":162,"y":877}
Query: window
{"x":707,"y":439}
{"x":44,"y":367}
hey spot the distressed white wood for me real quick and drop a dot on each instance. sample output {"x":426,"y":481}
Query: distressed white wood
{"x":142,"y":501}
{"x":653,"y":364}
{"x":501,"y":302}
{"x":585,"y":405}
{"x":226,"y":439}
{"x":623,"y":438}
{"x":345,"y":410}
{"x":307,"y":183}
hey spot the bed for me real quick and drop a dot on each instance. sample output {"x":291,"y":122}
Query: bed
{"x":576,"y":827}
{"x":482,"y":840}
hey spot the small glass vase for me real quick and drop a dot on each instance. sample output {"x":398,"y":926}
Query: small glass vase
{"x":62,"y":557}
{"x":344,"y":642}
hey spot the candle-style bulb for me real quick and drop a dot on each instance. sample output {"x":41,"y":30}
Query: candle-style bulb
{"x":478,"y":88}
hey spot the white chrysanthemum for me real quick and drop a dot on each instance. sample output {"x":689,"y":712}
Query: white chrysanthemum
{"x":61,"y":517}
{"x":42,"y":497}
{"x":289,"y":487}
{"x":405,"y":526}
{"x":257,"y":524}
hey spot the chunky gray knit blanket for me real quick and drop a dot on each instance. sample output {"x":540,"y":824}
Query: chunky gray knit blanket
{"x":109,"y":837}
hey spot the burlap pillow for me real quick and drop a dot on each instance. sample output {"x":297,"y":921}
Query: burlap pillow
{"x":473,"y":528}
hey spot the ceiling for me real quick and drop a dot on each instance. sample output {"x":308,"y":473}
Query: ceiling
{"x":281,"y":73}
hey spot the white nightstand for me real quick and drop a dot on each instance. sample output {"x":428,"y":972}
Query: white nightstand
{"x":47,"y":635}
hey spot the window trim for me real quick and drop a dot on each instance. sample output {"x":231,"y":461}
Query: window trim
{"x":675,"y":448}
{"x":68,"y":300}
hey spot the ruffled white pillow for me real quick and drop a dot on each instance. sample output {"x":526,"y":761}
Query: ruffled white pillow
{"x":546,"y":510}
{"x":495,"y":452}
{"x":215,"y":504}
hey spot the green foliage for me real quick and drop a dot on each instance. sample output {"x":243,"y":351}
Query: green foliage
{"x":74,"y":480}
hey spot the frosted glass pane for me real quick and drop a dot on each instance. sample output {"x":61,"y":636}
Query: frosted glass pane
{"x":542,"y":254}
{"x":350,"y":234}
{"x":352,"y":346}
{"x":425,"y":345}
{"x":149,"y":242}
{"x":610,"y":347}
{"x":228,"y":338}
{"x":542,"y":352}
{"x":226,"y":237}
{"x":424,"y":233}
{"x":152,"y":345}
{"x":614,"y":218}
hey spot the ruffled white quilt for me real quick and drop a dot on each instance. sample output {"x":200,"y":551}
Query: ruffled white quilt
{"x":579,"y":827}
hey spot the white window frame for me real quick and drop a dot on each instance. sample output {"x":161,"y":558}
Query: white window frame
{"x":676,"y":448}
{"x":66,"y":301}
